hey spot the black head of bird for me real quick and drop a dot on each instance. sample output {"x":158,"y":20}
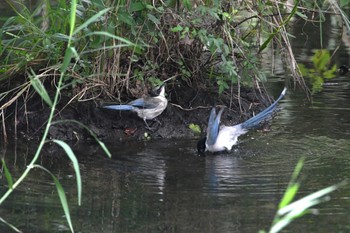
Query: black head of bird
{"x":343,"y":70}
{"x":156,"y":91}
{"x":201,"y":145}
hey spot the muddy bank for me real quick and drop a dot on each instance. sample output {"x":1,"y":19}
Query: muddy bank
{"x":186,"y":106}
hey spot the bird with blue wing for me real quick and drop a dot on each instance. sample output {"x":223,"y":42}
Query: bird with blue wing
{"x":147,"y":108}
{"x":225,"y":137}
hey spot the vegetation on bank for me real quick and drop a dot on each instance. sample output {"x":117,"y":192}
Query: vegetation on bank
{"x":111,"y":49}
{"x":122,"y":48}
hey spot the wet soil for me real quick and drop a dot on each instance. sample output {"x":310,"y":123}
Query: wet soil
{"x":26,"y":121}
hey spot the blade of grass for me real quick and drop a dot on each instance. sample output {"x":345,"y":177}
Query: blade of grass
{"x":295,"y":213}
{"x":287,"y":211}
{"x":39,"y":88}
{"x":61,"y":195}
{"x":7,"y":174}
{"x":92,"y":19}
{"x":293,"y":186}
{"x":285,"y":22}
{"x":10,"y":225}
{"x":74,"y":160}
{"x":73,"y":15}
{"x":70,"y":52}
{"x":289,"y":195}
{"x":310,"y":198}
{"x":107,"y":34}
{"x":102,"y":145}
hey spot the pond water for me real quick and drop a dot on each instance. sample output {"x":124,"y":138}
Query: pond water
{"x":164,"y":186}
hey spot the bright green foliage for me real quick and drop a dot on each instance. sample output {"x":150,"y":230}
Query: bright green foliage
{"x":39,"y":87}
{"x":196,"y":129}
{"x":320,"y":70}
{"x":7,"y":174}
{"x":288,"y":210}
{"x":61,"y":194}
{"x":293,"y":185}
{"x":75,"y":163}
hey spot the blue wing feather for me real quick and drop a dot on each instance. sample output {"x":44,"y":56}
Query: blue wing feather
{"x":213,"y":126}
{"x":145,"y":103}
{"x":264,"y":115}
{"x":119,"y":107}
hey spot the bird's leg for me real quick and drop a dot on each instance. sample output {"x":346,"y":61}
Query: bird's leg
{"x":153,"y":129}
{"x":159,"y":123}
{"x":147,"y":126}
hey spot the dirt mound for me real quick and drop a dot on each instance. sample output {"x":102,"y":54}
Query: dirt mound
{"x":186,"y":106}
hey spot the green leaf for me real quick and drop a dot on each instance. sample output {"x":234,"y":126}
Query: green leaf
{"x":136,"y":6}
{"x":222,"y":86}
{"x":331,"y":73}
{"x":195,"y":128}
{"x":107,"y":34}
{"x":297,"y":169}
{"x":276,"y":30}
{"x":289,"y":195}
{"x":321,"y":59}
{"x":153,"y":19}
{"x":178,"y":28}
{"x":102,"y":145}
{"x":7,"y":174}
{"x":187,"y":4}
{"x":67,"y":58}
{"x":64,"y":202}
{"x":301,"y":15}
{"x":126,"y":18}
{"x":303,"y":202}
{"x":92,"y":19}
{"x":39,"y":88}
{"x":288,"y":212}
{"x":303,"y":70}
{"x":61,"y":195}
{"x":293,"y":186}
{"x":74,"y":160}
{"x":73,"y":11}
{"x":10,"y":225}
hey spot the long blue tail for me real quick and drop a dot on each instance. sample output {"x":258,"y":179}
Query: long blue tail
{"x":264,"y":115}
{"x":119,"y":107}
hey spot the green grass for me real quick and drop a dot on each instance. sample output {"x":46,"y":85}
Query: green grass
{"x":289,"y":210}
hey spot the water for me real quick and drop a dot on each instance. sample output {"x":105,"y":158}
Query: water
{"x":163,"y":186}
